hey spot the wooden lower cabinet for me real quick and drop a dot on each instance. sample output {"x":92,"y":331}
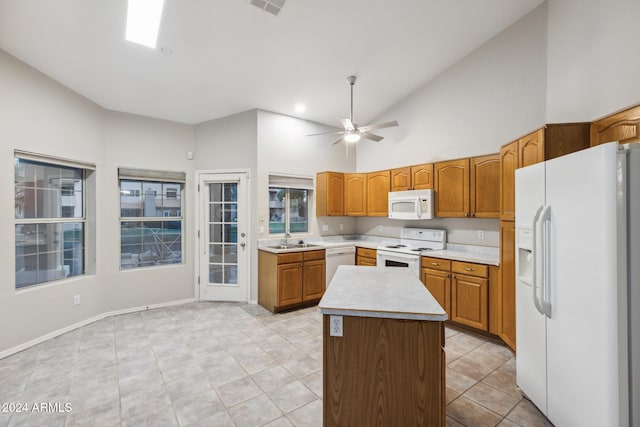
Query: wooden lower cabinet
{"x":469,"y":301}
{"x":384,"y":371}
{"x":468,"y":292}
{"x":366,"y":256}
{"x":290,"y":279}
{"x":508,"y":283}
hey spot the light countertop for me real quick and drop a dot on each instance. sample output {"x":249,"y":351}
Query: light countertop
{"x":386,"y":292}
{"x":457,"y":252}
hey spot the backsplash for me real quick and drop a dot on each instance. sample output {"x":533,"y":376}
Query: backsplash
{"x":465,"y":231}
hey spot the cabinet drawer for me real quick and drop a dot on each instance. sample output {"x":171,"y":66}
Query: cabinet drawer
{"x":436,"y":263}
{"x":366,"y":261}
{"x":366,"y":252}
{"x":313,"y":255}
{"x":470,"y":269}
{"x":290,"y":257}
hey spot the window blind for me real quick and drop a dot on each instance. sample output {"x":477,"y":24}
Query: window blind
{"x":291,"y":181}
{"x":26,"y":155}
{"x":151,"y":175}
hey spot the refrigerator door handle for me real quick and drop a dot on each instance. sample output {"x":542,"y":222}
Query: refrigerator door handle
{"x":534,"y":255}
{"x":545,"y":220}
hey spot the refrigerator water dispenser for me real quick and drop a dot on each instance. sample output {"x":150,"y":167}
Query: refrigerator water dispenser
{"x":525,"y":255}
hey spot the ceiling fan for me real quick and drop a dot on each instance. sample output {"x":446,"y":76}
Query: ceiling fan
{"x":352,"y":132}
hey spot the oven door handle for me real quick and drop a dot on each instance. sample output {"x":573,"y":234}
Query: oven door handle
{"x":398,"y":257}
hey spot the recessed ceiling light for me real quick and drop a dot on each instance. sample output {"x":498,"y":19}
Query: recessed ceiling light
{"x":300,"y":108}
{"x":143,"y":21}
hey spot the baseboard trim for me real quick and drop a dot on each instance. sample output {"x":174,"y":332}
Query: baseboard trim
{"x":43,"y":338}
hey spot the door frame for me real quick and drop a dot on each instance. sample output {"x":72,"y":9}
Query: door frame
{"x":199,"y":212}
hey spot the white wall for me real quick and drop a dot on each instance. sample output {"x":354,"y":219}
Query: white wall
{"x":284,"y":148}
{"x":593,"y":58}
{"x":489,"y":98}
{"x":41,"y":116}
{"x":492,"y":96}
{"x":145,"y":143}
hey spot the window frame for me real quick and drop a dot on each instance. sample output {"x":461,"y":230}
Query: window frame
{"x":287,"y":207}
{"x":155,"y":177}
{"x":56,"y":162}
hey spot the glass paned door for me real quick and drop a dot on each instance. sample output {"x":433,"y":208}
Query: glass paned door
{"x":223,"y":237}
{"x":223,"y":233}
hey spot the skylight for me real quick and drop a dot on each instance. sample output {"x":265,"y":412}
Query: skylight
{"x":143,"y":21}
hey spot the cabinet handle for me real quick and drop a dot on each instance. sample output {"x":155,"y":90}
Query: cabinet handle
{"x":453,"y":276}
{"x":466,"y":214}
{"x":435,"y":263}
{"x":468,"y":269}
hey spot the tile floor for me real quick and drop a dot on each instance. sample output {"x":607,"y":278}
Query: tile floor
{"x":221,"y":364}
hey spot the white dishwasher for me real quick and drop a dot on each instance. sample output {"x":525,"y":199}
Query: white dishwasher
{"x":334,"y":257}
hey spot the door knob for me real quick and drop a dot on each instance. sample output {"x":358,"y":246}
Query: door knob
{"x":243,"y":244}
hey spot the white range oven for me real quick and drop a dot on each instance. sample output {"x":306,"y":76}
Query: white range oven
{"x":412,"y":242}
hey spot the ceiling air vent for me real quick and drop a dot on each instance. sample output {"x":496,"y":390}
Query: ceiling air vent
{"x":271,"y":6}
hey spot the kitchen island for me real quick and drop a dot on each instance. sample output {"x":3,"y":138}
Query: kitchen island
{"x":383,"y":357}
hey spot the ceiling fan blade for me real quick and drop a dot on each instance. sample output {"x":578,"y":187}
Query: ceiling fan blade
{"x":327,"y":133}
{"x":348,"y":124}
{"x":371,"y":136}
{"x":378,"y":126}
{"x":337,"y":140}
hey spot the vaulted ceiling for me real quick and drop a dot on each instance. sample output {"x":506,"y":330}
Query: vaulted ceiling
{"x":220,"y":57}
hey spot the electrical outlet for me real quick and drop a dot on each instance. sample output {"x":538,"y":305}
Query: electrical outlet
{"x":341,"y":227}
{"x":325,"y":227}
{"x":480,"y":234}
{"x":380,"y":228}
{"x":76,"y":300}
{"x":335,"y":326}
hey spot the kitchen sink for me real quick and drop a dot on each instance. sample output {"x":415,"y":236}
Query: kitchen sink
{"x":293,"y":246}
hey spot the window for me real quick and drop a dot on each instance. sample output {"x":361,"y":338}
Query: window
{"x":289,"y":204}
{"x":150,"y":218}
{"x":50,"y":219}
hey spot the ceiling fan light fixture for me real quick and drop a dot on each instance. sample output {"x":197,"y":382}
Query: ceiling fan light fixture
{"x":352,"y":137}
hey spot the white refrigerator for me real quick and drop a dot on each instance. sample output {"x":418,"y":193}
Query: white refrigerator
{"x":578,"y":286}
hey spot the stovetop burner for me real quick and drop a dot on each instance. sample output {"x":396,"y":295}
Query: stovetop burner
{"x":396,"y":246}
{"x":422,"y":249}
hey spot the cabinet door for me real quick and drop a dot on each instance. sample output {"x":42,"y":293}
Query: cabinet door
{"x":531,"y":149}
{"x":355,"y":194}
{"x":469,"y":301}
{"x":452,"y":188}
{"x":313,"y":280}
{"x":507,"y":329}
{"x":329,"y":194}
{"x":378,"y":185}
{"x":485,"y":186}
{"x":439,"y":284}
{"x":623,"y":127}
{"x":422,"y":176}
{"x":401,"y":179}
{"x":508,"y":166}
{"x":289,"y":284}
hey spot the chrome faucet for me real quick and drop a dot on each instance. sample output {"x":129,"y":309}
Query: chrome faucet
{"x":286,"y":238}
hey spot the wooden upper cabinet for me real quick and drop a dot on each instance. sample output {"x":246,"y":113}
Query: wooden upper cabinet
{"x":330,"y":194}
{"x":452,"y":188}
{"x":422,"y":176}
{"x":508,"y":166}
{"x":622,"y":127}
{"x":378,"y":185}
{"x":531,"y":148}
{"x":401,"y":179}
{"x":355,"y":194}
{"x":485,"y":186}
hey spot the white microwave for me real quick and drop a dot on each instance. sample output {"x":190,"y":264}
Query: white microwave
{"x":414,"y":204}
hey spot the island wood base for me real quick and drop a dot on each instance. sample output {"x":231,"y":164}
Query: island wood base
{"x":384,"y":372}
